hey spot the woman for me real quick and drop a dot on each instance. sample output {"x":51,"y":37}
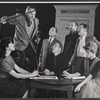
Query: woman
{"x":90,"y":86}
{"x":11,"y":83}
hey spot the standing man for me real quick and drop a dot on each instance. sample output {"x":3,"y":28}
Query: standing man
{"x":70,"y":40}
{"x":26,"y":27}
{"x":47,"y":45}
{"x":79,"y":52}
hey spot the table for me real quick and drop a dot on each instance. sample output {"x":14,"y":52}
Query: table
{"x":60,"y":84}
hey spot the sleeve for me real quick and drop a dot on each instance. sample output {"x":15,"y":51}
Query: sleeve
{"x":15,"y":18}
{"x":66,"y":45}
{"x":96,"y":71}
{"x":6,"y":67}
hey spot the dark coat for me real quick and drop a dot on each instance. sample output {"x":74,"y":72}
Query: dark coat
{"x":69,"y":45}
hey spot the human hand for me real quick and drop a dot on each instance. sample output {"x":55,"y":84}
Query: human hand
{"x":3,"y":20}
{"x":46,"y":72}
{"x":77,"y":89}
{"x":52,"y":73}
{"x":65,"y":73}
{"x":35,"y":73}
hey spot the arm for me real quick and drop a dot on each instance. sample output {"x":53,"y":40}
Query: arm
{"x":77,"y":89}
{"x":77,"y":74}
{"x":20,"y":70}
{"x":11,"y":19}
{"x":19,"y":75}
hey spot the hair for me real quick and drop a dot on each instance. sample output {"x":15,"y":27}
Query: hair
{"x":91,"y":46}
{"x":3,"y":44}
{"x":85,"y":26}
{"x":55,"y":29}
{"x":60,"y":45}
{"x":76,"y":24}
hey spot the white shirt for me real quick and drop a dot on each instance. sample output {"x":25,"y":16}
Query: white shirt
{"x":80,"y":50}
{"x":51,"y":39}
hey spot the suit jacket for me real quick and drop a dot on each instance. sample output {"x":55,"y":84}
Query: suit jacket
{"x":74,"y":56}
{"x":46,"y":50}
{"x":69,"y":45}
{"x":21,"y":38}
{"x":57,"y":64}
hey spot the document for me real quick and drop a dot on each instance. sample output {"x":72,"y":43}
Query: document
{"x":44,"y":77}
{"x":80,"y":77}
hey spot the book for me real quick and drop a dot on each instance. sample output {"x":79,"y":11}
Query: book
{"x":80,"y":77}
{"x":44,"y":77}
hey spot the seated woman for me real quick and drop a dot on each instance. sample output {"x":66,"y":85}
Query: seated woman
{"x":90,"y":86}
{"x":11,"y":83}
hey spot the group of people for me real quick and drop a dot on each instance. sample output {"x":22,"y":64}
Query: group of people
{"x":79,"y":56}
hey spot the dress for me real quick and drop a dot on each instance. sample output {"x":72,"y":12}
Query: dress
{"x":92,"y":88}
{"x":10,"y":87}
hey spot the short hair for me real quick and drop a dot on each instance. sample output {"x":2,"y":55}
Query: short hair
{"x":55,"y":29}
{"x":91,"y":46}
{"x":76,"y":24}
{"x":60,"y":45}
{"x":85,"y":26}
{"x":3,"y":44}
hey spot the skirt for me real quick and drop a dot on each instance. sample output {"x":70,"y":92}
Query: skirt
{"x":12,"y":88}
{"x":89,"y":90}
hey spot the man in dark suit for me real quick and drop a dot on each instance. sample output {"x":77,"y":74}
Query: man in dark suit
{"x":47,"y":44}
{"x":70,"y":40}
{"x":26,"y":27}
{"x":79,"y":52}
{"x":56,"y":62}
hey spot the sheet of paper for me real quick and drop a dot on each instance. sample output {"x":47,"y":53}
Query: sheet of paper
{"x":80,"y":77}
{"x":44,"y":77}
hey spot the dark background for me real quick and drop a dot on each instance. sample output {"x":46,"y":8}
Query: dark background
{"x":45,"y":14}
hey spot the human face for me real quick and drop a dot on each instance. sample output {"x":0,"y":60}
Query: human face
{"x":11,"y":47}
{"x":72,"y":26}
{"x":31,"y":13}
{"x":52,"y":32}
{"x":89,"y":54}
{"x":82,"y":31}
{"x":56,"y":48}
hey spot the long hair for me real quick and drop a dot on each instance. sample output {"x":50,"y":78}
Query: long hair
{"x":3,"y":44}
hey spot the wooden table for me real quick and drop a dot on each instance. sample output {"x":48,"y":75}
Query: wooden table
{"x":60,"y":84}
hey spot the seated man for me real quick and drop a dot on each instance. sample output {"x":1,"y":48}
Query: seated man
{"x":56,"y":62}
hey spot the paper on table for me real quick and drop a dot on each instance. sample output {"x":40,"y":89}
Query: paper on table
{"x":80,"y":77}
{"x":44,"y":77}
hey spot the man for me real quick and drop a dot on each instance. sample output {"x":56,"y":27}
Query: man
{"x":79,"y":52}
{"x":56,"y":63}
{"x":47,"y":44}
{"x":70,"y":40}
{"x":26,"y":27}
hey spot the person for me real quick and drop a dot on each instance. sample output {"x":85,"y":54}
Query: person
{"x":12,"y":83}
{"x":55,"y":65}
{"x":84,"y":90}
{"x":26,"y":28}
{"x":70,"y":40}
{"x":56,"y":62}
{"x":46,"y":48}
{"x":79,"y":52}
